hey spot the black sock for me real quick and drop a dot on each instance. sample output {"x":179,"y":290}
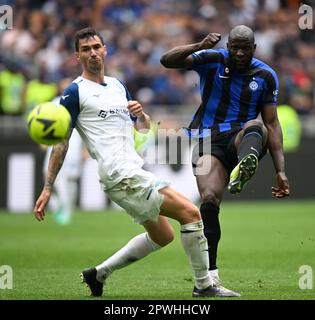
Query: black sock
{"x":212,"y":230}
{"x":251,"y":142}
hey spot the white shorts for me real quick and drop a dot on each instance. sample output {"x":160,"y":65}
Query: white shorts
{"x":139,"y":195}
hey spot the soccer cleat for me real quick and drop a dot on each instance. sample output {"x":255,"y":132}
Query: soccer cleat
{"x":88,"y":276}
{"x":214,"y":291}
{"x":245,"y":169}
{"x":216,"y":280}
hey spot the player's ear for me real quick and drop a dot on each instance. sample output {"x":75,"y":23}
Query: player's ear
{"x":77,"y":55}
{"x":105,"y":50}
{"x":254,"y":47}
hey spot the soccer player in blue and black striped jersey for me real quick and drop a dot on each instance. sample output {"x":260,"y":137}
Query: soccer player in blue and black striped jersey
{"x":235,"y":88}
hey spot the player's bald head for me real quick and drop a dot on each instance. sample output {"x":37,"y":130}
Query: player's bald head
{"x":241,"y":46}
{"x":242,"y":32}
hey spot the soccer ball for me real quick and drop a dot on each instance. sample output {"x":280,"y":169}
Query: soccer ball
{"x":48,"y":123}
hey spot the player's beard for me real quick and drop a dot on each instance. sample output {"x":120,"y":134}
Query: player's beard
{"x":95,"y":66}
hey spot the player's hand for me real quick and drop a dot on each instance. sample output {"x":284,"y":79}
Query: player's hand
{"x":210,"y":41}
{"x":135,"y":108}
{"x":283,"y":188}
{"x":39,"y":209}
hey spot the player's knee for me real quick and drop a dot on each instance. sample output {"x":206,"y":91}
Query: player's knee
{"x":192,"y":213}
{"x":256,"y":125}
{"x":255,"y":122}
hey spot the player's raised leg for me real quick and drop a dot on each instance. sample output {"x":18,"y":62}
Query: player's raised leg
{"x":250,"y":143}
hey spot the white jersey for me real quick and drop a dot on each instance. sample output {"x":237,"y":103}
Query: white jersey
{"x":99,"y":112}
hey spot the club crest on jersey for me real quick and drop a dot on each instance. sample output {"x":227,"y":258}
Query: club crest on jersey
{"x":253,"y":85}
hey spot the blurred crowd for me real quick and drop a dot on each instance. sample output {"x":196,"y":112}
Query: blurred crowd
{"x":38,"y":52}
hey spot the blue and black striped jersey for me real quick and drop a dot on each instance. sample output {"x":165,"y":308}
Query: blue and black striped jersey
{"x":229,"y":99}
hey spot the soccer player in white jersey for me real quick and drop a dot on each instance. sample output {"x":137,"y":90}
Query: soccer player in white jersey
{"x":104,"y":115}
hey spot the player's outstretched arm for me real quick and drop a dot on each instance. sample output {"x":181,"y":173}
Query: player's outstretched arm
{"x":56,"y":159}
{"x":270,"y":118}
{"x":180,"y":57}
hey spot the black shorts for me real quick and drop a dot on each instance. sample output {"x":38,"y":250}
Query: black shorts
{"x":222,"y":146}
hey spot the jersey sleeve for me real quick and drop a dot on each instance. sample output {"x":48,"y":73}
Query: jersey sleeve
{"x":271,"y":89}
{"x":207,"y":56}
{"x":129,"y":97}
{"x":70,"y":100}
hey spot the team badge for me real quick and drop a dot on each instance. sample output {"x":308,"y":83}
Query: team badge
{"x":226,"y":70}
{"x":253,"y":85}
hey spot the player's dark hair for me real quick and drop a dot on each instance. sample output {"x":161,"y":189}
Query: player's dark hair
{"x":85,"y":34}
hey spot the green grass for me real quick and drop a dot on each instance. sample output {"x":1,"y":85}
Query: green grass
{"x":262,"y":247}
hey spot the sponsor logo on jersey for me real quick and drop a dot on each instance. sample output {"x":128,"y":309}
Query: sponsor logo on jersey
{"x":114,"y":111}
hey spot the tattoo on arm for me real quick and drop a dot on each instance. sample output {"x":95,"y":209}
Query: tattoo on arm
{"x":56,"y":159}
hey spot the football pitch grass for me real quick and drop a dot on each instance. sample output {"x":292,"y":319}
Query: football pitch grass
{"x":263,"y":245}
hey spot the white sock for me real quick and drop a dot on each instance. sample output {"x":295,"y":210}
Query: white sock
{"x":214,"y":274}
{"x":196,"y":248}
{"x":136,"y":249}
